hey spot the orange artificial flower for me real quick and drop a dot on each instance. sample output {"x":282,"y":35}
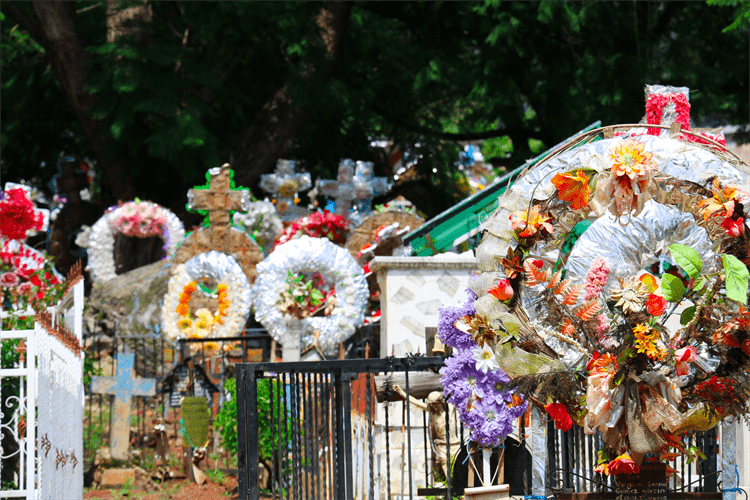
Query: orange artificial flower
{"x":502,"y":291}
{"x":530,"y":222}
{"x":222,"y":296}
{"x":221,"y":287}
{"x":629,"y":159}
{"x":185,"y":298}
{"x":722,"y":202}
{"x":183,"y":309}
{"x":567,"y":328}
{"x":191,"y":287}
{"x":623,"y":465}
{"x":602,"y":364}
{"x":602,"y":468}
{"x":573,"y":188}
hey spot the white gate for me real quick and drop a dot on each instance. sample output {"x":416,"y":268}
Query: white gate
{"x":45,"y":461}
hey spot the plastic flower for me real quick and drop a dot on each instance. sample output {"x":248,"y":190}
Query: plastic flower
{"x":629,"y":159}
{"x":734,"y":228}
{"x":184,"y":324}
{"x":646,"y":340}
{"x":183,"y":309}
{"x":201,"y":328}
{"x":573,"y":188}
{"x":204,"y":314}
{"x":601,"y":365}
{"x":559,"y":413}
{"x":191,"y":287}
{"x":623,"y":465}
{"x":485,"y":358}
{"x":723,"y":201}
{"x":684,"y":356}
{"x":596,"y":278}
{"x":602,"y":468}
{"x":448,"y":315}
{"x":630,"y":295}
{"x":502,"y":291}
{"x":530,"y":222}
{"x":655,"y":305}
{"x":8,"y":280}
{"x":18,"y":215}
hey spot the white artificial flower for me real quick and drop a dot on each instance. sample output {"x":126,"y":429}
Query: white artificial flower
{"x":485,"y":358}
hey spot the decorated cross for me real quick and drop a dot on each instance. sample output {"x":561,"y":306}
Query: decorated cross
{"x":342,"y":189}
{"x":219,"y":199}
{"x":367,"y":187}
{"x":124,"y":386}
{"x":285,"y":183}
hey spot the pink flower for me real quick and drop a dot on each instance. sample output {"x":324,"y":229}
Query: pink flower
{"x":8,"y":280}
{"x":25,"y":289}
{"x":596,"y":278}
{"x":733,"y":227}
{"x":683,"y":357}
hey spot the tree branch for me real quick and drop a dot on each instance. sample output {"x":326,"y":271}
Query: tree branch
{"x":26,"y":23}
{"x":271,"y":136}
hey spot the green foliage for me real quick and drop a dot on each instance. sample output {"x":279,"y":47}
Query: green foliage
{"x":673,"y":287}
{"x":687,"y":258}
{"x":736,"y":278}
{"x":226,"y":420}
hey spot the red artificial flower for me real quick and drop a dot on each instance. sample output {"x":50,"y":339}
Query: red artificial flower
{"x":573,"y":188}
{"x":502,"y":291}
{"x":655,"y":305}
{"x":684,"y":356}
{"x":734,"y":228}
{"x":655,"y":105}
{"x":623,"y":465}
{"x":559,"y":413}
{"x":18,"y":216}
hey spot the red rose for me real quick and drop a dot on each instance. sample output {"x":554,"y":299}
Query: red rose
{"x":655,"y":305}
{"x":560,"y":415}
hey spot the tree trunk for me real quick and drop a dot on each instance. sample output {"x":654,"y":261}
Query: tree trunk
{"x":271,"y":136}
{"x":68,"y":61}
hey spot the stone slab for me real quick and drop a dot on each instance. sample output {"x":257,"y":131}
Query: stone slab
{"x":116,"y":478}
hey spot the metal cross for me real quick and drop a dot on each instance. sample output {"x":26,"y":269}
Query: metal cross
{"x":124,"y":386}
{"x":219,"y":200}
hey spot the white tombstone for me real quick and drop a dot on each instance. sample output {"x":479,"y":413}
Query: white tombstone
{"x":412,"y":289}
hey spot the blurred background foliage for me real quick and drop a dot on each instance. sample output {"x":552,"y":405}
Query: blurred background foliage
{"x":158,"y":92}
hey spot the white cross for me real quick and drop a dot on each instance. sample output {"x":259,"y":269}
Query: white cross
{"x":285,"y":183}
{"x":367,"y":187}
{"x":341,"y":190}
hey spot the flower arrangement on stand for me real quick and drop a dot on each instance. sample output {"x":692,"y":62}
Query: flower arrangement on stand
{"x":140,"y":219}
{"x":323,"y":224}
{"x":613,"y":294}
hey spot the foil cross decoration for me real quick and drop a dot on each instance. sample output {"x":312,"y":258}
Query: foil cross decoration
{"x":341,"y":190}
{"x":219,"y":199}
{"x":367,"y":187}
{"x":284,"y":184}
{"x":124,"y":385}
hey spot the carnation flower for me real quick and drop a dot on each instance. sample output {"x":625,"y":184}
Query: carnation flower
{"x":596,"y":278}
{"x":8,"y":280}
{"x":449,"y":334}
{"x":559,"y":413}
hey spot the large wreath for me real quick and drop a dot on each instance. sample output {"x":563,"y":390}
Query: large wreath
{"x":208,"y":296}
{"x":134,"y":218}
{"x":336,"y":265}
{"x":613,"y":293}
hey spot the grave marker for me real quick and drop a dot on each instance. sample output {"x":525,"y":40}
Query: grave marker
{"x":124,"y":385}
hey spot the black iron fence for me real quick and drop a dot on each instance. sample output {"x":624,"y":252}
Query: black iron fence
{"x":326,"y":430}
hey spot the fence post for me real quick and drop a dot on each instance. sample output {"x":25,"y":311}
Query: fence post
{"x":247,"y":431}
{"x":340,"y":451}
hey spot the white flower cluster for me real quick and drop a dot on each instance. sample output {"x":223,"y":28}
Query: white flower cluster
{"x":261,"y":221}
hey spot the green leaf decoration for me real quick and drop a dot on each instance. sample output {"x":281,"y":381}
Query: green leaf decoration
{"x":700,"y":283}
{"x":687,"y":258}
{"x":687,"y":315}
{"x":735,"y":278}
{"x":673,"y":288}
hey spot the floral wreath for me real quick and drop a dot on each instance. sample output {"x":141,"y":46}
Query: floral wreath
{"x":134,"y":218}
{"x":311,"y":255}
{"x":262,"y":222}
{"x":613,"y":293}
{"x":216,"y":276}
{"x":318,"y":225}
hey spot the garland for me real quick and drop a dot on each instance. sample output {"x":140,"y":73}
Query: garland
{"x":220,"y":280}
{"x":311,"y":255}
{"x":136,"y":218}
{"x":610,"y":310}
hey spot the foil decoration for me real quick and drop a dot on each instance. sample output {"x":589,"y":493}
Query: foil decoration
{"x":214,"y":267}
{"x":677,"y":159}
{"x":538,"y":432}
{"x":640,"y":244}
{"x":101,"y":242}
{"x":306,"y":255}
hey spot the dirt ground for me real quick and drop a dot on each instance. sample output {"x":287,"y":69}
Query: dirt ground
{"x":177,"y":489}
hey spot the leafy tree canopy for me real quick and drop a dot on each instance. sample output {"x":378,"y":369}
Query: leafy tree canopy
{"x":158,"y":92}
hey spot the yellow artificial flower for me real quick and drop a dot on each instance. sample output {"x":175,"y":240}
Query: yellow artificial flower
{"x":530,"y":222}
{"x":221,"y":287}
{"x":629,"y":159}
{"x":201,"y":328}
{"x":631,"y":294}
{"x":204,"y":314}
